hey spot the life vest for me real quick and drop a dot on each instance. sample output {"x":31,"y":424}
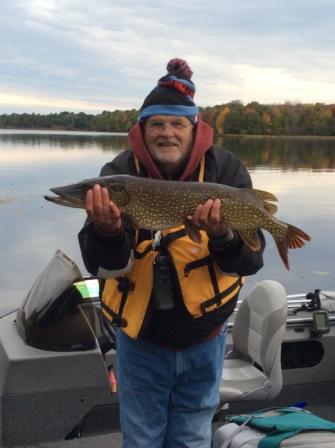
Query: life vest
{"x":203,"y":286}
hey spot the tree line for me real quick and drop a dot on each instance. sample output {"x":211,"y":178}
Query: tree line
{"x":229,"y":118}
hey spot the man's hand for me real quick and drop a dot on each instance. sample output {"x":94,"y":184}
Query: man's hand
{"x":207,"y":217}
{"x":102,"y":211}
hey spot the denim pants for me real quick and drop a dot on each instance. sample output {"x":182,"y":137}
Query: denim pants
{"x":168,"y":398}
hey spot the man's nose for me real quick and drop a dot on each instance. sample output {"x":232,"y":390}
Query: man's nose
{"x":167,"y":129}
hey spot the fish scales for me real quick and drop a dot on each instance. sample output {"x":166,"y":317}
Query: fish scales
{"x":160,"y":204}
{"x":167,"y":205}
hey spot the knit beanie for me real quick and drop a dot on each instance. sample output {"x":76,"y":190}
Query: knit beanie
{"x":173,"y":94}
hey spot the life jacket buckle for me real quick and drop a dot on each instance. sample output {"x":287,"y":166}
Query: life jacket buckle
{"x":123,"y":322}
{"x":119,"y":321}
{"x":125,"y":285}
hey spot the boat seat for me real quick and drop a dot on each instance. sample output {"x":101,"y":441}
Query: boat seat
{"x":252,"y":370}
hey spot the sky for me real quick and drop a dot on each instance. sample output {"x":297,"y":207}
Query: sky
{"x":85,"y":56}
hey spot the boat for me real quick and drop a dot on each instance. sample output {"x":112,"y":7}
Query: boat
{"x":58,"y":362}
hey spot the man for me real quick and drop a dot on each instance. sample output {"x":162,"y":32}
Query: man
{"x":168,"y":296}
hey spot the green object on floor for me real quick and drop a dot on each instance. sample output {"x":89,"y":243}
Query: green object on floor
{"x":289,"y":422}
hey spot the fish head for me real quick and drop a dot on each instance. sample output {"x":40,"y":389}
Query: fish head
{"x":117,"y":187}
{"x":74,"y":195}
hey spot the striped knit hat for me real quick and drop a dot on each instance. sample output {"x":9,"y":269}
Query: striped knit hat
{"x":173,"y":94}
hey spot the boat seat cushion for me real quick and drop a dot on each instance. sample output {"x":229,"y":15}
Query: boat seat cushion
{"x":240,"y":377}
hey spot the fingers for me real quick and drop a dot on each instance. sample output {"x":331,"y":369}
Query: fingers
{"x":94,"y":203}
{"x":109,"y":209}
{"x":206,"y":213}
{"x":214,"y":217}
{"x":89,"y":202}
{"x":207,"y":217}
{"x":101,"y":210}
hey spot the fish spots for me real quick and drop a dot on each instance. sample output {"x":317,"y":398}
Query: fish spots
{"x":158,"y":204}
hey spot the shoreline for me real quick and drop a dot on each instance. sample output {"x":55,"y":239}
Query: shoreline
{"x":264,"y":136}
{"x":90,"y":131}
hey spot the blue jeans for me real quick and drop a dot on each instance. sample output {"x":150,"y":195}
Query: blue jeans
{"x":168,"y":398}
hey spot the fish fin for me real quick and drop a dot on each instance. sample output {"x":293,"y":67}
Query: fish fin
{"x":283,"y":251}
{"x":271,"y":208}
{"x":193,"y":232}
{"x":296,"y":237}
{"x":265,"y":195}
{"x":251,"y":238}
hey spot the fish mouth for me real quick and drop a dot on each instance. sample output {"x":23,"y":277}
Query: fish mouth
{"x":65,"y":201}
{"x":70,"y":196}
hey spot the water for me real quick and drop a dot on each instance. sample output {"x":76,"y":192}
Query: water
{"x":301,"y":173}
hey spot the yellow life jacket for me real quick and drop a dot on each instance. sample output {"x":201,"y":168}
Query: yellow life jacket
{"x":203,"y":286}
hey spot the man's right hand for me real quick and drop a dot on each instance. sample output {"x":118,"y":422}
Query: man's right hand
{"x":102,"y":211}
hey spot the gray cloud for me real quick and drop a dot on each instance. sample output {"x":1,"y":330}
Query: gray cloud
{"x":111,"y":53}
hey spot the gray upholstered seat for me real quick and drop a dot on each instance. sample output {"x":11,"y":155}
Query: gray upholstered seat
{"x":252,"y":370}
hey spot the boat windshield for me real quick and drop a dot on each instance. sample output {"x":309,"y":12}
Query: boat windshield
{"x":52,"y":317}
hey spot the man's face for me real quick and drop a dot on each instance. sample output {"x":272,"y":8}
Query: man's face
{"x":169,"y":140}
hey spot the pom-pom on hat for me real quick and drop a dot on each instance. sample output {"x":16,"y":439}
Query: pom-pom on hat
{"x":173,"y":94}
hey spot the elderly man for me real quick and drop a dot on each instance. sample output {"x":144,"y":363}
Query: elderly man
{"x":168,"y":296}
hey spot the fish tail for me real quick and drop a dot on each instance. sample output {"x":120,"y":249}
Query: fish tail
{"x":294,"y":239}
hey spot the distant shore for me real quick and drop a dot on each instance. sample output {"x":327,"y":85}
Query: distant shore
{"x":300,"y":137}
{"x":249,"y":136}
{"x":231,"y":118}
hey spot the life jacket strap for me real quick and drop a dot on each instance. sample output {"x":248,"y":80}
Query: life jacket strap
{"x":117,"y":320}
{"x":170,"y":237}
{"x":197,"y":264}
{"x":124,"y":286}
{"x":163,"y":243}
{"x":218,"y":296}
{"x":138,"y":255}
{"x":217,"y":299}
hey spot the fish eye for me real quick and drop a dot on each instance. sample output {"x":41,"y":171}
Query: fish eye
{"x":115,"y":187}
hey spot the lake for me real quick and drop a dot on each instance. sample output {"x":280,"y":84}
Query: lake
{"x":300,"y":172}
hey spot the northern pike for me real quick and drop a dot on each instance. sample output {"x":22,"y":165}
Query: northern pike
{"x":160,"y":204}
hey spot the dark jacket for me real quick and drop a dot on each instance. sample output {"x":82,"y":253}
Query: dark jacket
{"x":176,"y":328}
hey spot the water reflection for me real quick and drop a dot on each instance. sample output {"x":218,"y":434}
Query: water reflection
{"x":64,"y":140}
{"x":300,"y":172}
{"x":284,"y":153}
{"x":271,"y":152}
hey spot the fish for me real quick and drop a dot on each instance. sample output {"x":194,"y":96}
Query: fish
{"x":156,"y":204}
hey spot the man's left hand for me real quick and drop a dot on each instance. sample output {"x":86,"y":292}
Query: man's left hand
{"x":207,"y":217}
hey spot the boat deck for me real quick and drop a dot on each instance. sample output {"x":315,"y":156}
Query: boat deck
{"x":309,"y":378}
{"x":112,"y":440}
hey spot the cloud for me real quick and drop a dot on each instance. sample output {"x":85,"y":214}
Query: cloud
{"x":60,"y":55}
